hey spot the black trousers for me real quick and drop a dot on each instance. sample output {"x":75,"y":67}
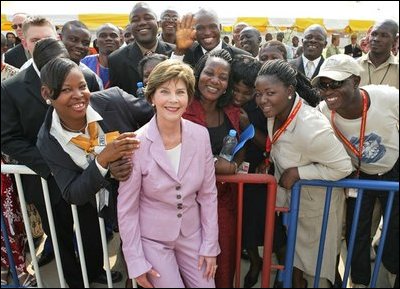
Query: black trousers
{"x":91,"y":239}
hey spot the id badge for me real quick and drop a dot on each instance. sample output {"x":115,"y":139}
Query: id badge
{"x":352,"y":193}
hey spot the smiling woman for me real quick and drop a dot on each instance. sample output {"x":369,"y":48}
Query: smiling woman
{"x":177,"y":234}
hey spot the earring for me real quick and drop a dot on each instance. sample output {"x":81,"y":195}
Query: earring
{"x":48,"y":101}
{"x":289,"y":97}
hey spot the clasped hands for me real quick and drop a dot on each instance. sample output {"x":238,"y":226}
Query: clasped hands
{"x":119,"y":151}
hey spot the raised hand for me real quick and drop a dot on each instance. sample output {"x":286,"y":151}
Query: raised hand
{"x":185,"y":34}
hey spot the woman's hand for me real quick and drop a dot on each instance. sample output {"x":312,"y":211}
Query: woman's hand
{"x":143,"y":281}
{"x":123,"y":145}
{"x":121,"y":169}
{"x":211,"y":266}
{"x":224,"y":167}
{"x":289,"y":177}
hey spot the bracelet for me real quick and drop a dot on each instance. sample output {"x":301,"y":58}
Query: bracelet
{"x":236,"y":166}
{"x":215,"y":160}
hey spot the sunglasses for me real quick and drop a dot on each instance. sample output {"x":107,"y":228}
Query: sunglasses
{"x":169,"y":18}
{"x":330,"y":85}
{"x":15,"y":26}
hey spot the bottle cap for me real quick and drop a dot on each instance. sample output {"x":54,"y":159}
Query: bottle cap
{"x":139,"y":84}
{"x":232,"y":132}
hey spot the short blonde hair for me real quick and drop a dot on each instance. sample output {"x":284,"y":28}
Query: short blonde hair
{"x":167,"y":70}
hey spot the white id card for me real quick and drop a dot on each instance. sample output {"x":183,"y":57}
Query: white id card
{"x":352,"y":193}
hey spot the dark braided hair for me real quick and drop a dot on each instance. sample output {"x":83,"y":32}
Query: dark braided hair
{"x":225,"y":98}
{"x":290,"y":76}
{"x":245,"y":68}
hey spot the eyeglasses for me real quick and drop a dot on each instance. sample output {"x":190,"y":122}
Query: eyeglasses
{"x":170,"y":18}
{"x":15,"y":26}
{"x":332,"y":85}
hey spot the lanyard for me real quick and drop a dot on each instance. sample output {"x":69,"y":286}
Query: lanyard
{"x":282,"y":129}
{"x":358,"y":153}
{"x":106,"y":85}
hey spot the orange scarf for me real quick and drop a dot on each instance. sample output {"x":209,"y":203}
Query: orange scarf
{"x":88,"y":144}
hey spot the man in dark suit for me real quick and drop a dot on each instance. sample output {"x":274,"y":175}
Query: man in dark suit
{"x":23,"y":110}
{"x":208,"y":35}
{"x":353,"y":49}
{"x":19,"y":54}
{"x":314,"y":42}
{"x":123,"y":63}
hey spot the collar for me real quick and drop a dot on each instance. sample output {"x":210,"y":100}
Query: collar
{"x":218,"y":47}
{"x":144,"y":50}
{"x":306,"y":60}
{"x":66,"y":136}
{"x":390,"y":60}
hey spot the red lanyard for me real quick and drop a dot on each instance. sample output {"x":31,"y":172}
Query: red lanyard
{"x":282,"y":129}
{"x":98,"y":72}
{"x":358,"y":153}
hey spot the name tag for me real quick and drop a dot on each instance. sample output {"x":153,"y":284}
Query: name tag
{"x":352,"y":193}
{"x":102,"y":140}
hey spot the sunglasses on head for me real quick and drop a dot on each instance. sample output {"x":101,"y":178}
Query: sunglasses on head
{"x":15,"y":26}
{"x":332,"y":85}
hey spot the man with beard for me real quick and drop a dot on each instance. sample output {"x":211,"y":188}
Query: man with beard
{"x":108,"y":40}
{"x":123,"y":63}
{"x":379,"y":65}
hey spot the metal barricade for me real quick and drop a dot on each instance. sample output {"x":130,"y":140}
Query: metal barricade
{"x":241,"y":179}
{"x":17,"y":170}
{"x":361,"y":185}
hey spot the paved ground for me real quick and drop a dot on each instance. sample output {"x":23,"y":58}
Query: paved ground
{"x":50,"y":277}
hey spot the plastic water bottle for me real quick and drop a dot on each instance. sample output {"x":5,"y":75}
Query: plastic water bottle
{"x":230,"y":142}
{"x":140,"y":90}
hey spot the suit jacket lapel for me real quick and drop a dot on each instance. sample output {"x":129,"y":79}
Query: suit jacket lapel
{"x":100,"y":107}
{"x":187,"y":149}
{"x":318,"y":67}
{"x":157,"y":149}
{"x":33,"y":84}
{"x":134,"y":55}
{"x":300,"y":65}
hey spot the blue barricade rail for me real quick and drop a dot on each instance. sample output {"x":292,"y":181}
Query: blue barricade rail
{"x":361,"y":185}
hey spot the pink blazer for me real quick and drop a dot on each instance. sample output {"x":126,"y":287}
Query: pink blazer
{"x":157,"y":204}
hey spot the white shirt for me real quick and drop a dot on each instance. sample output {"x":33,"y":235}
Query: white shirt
{"x":180,"y":57}
{"x":174,"y":156}
{"x":305,"y":62}
{"x":381,"y":139}
{"x":64,"y":138}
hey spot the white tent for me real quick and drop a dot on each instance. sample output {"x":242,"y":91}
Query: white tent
{"x":335,"y":15}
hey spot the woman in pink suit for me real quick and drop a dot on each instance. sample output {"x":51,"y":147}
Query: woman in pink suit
{"x":167,"y":209}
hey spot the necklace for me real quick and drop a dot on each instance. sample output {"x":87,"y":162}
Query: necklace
{"x":369,"y":74}
{"x":72,"y":130}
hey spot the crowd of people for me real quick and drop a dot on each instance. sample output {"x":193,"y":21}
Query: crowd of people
{"x":148,"y":165}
